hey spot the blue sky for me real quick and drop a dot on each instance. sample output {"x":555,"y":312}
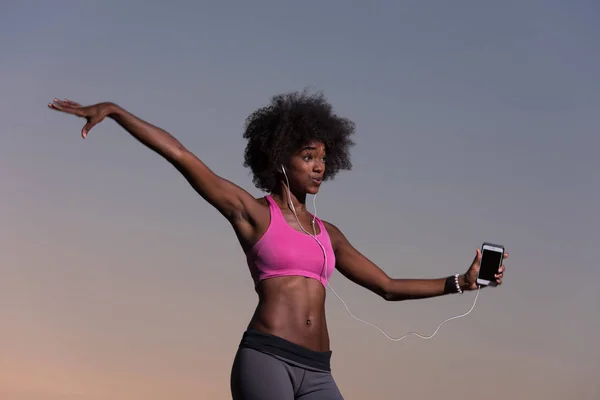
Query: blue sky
{"x":476,"y":121}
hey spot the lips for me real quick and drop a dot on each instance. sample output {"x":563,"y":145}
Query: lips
{"x":317,"y":180}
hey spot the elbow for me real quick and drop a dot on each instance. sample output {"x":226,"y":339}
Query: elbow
{"x":388,"y":296}
{"x":390,"y":291}
{"x":385,"y":290}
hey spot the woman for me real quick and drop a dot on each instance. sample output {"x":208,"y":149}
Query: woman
{"x":294,"y":144}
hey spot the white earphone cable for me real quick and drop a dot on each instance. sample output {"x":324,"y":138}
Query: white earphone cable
{"x":314,"y":236}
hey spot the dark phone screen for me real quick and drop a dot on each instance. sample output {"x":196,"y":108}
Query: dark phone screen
{"x":490,"y":262}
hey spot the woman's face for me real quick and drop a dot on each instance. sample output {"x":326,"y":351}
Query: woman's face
{"x":306,"y":168}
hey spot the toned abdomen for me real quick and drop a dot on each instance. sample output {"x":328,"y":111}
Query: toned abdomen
{"x":293,"y":308}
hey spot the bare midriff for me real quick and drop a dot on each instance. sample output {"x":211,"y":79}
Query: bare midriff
{"x":293,"y":308}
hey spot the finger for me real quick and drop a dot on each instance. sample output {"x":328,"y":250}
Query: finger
{"x":505,"y":255}
{"x":64,"y":107}
{"x":71,"y":103}
{"x":499,"y":281}
{"x":66,"y":103}
{"x":61,"y":102}
{"x":501,"y":269}
{"x":60,"y":106}
{"x":477,"y":256}
{"x":87,"y":127}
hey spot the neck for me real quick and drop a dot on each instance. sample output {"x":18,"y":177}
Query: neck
{"x":281,"y":193}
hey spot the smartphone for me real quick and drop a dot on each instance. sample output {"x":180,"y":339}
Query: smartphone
{"x":491,"y":260}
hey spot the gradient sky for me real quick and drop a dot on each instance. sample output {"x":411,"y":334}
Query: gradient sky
{"x":476,"y":121}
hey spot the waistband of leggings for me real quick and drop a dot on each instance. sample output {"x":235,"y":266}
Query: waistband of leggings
{"x":278,"y":346}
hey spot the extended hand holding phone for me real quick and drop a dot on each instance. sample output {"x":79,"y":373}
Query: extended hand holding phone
{"x":491,"y":260}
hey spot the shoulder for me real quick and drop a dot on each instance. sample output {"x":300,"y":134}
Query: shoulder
{"x":331,"y":228}
{"x":262,"y":201}
{"x":335,"y":234}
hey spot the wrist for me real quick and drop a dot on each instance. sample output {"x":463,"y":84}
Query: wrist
{"x":463,"y":282}
{"x":111,"y":109}
{"x":453,"y":284}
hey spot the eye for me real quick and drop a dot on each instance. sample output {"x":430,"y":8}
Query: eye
{"x":306,"y":157}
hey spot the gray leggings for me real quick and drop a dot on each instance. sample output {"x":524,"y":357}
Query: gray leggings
{"x":259,"y":376}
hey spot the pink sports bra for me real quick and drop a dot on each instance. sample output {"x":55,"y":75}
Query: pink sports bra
{"x":285,"y":251}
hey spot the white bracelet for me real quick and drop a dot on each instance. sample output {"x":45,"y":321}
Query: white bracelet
{"x":458,"y":289}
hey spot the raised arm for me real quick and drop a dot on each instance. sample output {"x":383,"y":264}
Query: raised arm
{"x":360,"y":270}
{"x":231,"y":200}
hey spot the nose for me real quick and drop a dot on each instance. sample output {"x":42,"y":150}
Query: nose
{"x":319,"y":166}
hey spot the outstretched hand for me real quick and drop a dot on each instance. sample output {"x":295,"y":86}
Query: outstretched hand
{"x":94,"y":114}
{"x":473,"y":272}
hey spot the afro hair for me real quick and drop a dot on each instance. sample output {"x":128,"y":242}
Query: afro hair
{"x":291,"y":120}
